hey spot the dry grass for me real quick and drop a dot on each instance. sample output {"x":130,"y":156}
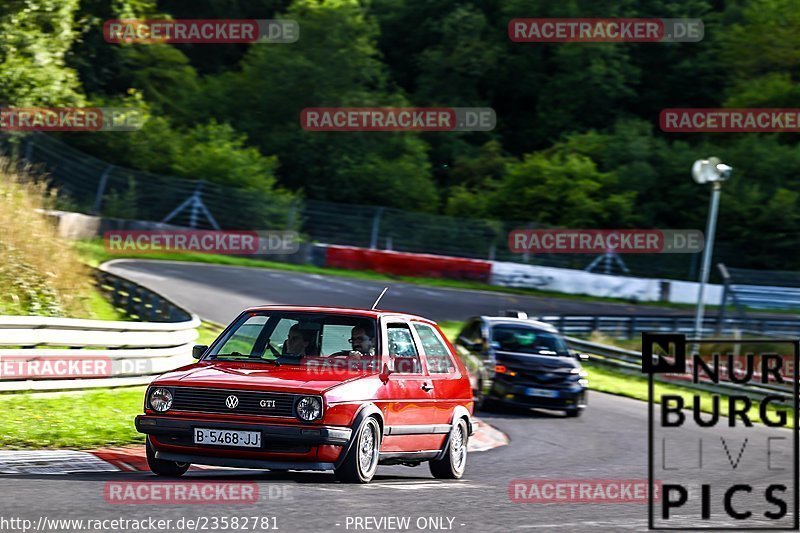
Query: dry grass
{"x":40,"y":274}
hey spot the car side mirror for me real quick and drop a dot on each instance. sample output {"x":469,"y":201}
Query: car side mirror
{"x":198,"y":350}
{"x":581,"y":357}
{"x":385,"y":373}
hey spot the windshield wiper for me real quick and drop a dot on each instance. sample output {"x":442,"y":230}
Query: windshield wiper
{"x":248,"y":357}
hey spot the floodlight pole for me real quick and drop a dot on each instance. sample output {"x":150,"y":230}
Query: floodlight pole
{"x":708,"y":250}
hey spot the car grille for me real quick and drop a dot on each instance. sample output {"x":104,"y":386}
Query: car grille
{"x":248,"y":402}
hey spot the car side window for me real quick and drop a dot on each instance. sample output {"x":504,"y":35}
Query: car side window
{"x":244,"y":339}
{"x":436,"y":352}
{"x":402,"y":350}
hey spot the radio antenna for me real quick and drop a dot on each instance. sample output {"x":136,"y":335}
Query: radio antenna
{"x":379,"y":297}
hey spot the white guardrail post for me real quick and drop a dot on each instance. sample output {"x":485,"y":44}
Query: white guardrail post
{"x":44,"y":353}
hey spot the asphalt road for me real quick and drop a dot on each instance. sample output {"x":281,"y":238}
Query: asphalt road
{"x":220,"y":293}
{"x":609,"y":442}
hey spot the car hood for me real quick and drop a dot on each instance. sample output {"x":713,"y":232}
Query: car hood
{"x":259,"y":376}
{"x":536,"y":363}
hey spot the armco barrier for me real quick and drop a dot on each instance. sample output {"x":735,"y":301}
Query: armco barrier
{"x":630,"y":361}
{"x":407,"y":264}
{"x":571,"y":281}
{"x":41,"y":353}
{"x":632,"y":326}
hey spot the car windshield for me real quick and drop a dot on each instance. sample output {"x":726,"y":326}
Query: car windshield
{"x":523,"y":339}
{"x":300,"y":338}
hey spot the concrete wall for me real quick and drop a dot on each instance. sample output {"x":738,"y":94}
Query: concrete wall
{"x":603,"y":285}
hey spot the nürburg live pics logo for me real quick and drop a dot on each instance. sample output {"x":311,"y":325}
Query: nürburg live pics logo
{"x":722,"y":433}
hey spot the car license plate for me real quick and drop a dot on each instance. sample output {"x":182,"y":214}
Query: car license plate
{"x":227,"y":437}
{"x":545,"y":393}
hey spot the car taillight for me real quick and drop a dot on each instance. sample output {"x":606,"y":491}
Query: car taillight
{"x":503,"y":369}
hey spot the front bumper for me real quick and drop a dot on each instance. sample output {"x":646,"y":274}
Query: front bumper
{"x":232,"y":462}
{"x":516,"y":394}
{"x":179,"y":431}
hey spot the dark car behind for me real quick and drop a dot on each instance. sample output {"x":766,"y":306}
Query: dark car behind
{"x":522,"y":362}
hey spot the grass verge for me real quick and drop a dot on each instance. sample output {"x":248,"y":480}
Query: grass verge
{"x":80,"y":420}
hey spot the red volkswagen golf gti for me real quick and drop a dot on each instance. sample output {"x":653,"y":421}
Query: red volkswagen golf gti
{"x":314,"y":388}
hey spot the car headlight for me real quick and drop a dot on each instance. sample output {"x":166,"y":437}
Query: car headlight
{"x":309,"y":408}
{"x":160,"y":399}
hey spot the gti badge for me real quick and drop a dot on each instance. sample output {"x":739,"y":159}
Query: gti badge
{"x":267,"y":403}
{"x":231,"y":401}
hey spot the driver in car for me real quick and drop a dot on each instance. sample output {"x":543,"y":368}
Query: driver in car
{"x":362,"y":340}
{"x":300,"y":342}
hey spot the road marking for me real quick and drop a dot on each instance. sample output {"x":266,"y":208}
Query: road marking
{"x":51,"y":462}
{"x":418,"y":485}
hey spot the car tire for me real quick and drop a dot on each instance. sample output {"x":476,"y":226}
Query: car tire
{"x":161,"y":467}
{"x":454,"y":460}
{"x":362,"y":459}
{"x":573,"y":413}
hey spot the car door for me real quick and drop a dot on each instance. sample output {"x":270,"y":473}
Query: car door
{"x":445,"y":375}
{"x":411,"y":413}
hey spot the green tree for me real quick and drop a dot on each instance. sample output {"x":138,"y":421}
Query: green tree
{"x":35,"y":37}
{"x":334,"y":63}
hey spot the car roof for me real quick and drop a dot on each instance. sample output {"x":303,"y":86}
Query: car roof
{"x":495,"y":320}
{"x":372,"y":313}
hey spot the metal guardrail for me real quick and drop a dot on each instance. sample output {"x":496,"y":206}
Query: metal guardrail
{"x":629,"y":327}
{"x":119,"y":353}
{"x":138,"y":302}
{"x":630,"y":361}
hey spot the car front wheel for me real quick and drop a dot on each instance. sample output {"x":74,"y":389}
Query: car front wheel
{"x":362,"y":459}
{"x":161,"y":467}
{"x":452,"y":464}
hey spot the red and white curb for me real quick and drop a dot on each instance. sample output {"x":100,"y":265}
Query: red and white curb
{"x":133,"y":459}
{"x":486,"y":437}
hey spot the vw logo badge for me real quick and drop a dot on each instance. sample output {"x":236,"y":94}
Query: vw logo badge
{"x":231,"y":401}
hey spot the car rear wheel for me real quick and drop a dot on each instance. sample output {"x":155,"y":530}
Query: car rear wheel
{"x":161,"y":467}
{"x":362,"y":459}
{"x":452,"y":465}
